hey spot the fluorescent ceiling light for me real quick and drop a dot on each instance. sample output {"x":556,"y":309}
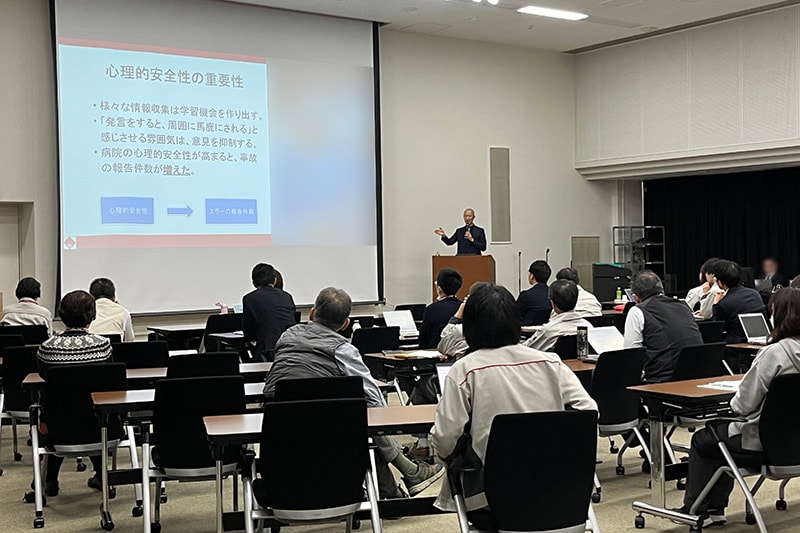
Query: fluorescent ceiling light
{"x":494,"y":2}
{"x":552,"y":13}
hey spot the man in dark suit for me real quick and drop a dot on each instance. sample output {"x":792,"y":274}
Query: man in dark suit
{"x":439,"y":313}
{"x":734,"y":301}
{"x":267,"y":312}
{"x":770,"y":268}
{"x":534,"y":303}
{"x":470,"y":238}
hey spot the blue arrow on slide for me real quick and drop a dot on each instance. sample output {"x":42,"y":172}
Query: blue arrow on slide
{"x":180,"y":211}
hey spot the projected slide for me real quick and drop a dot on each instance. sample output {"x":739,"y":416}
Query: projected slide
{"x":166,"y":148}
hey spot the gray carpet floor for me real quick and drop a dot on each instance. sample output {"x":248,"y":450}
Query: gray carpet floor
{"x":191,"y":505}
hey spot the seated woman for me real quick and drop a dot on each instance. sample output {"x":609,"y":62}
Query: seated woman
{"x":781,"y":356}
{"x":497,"y":376}
{"x":75,"y":346}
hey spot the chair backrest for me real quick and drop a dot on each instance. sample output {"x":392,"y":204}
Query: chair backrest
{"x":700,"y":361}
{"x":7,"y":341}
{"x":227,"y":323}
{"x":150,"y":354}
{"x":614,"y":373}
{"x":602,"y":321}
{"x":203,"y":365}
{"x":114,"y":338}
{"x":526,"y":484}
{"x":345,"y":458}
{"x":180,"y":405}
{"x":712,"y":330}
{"x":779,"y":425}
{"x":566,"y":347}
{"x":292,"y":390}
{"x":375,"y":340}
{"x":18,"y":362}
{"x":32,"y":334}
{"x":67,"y":401}
{"x":298,"y":317}
{"x":417,"y":310}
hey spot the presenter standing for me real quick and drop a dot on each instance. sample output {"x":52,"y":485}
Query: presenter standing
{"x":470,"y":238}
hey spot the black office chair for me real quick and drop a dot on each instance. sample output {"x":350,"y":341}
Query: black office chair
{"x":10,"y":340}
{"x":114,"y":338}
{"x":700,"y":361}
{"x":712,"y":330}
{"x":376,"y":340}
{"x":619,"y":408}
{"x":282,"y":491}
{"x":541,"y":317}
{"x":18,"y":362}
{"x":602,"y":321}
{"x":203,"y":365}
{"x":150,"y":354}
{"x":566,"y":347}
{"x":227,"y":323}
{"x":298,"y":316}
{"x":779,"y":432}
{"x":72,"y":424}
{"x":180,"y":443}
{"x":32,"y":334}
{"x":292,"y":390}
{"x":417,"y":310}
{"x":516,"y":457}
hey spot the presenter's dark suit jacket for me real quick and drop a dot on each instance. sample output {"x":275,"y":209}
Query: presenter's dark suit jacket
{"x":436,"y":317}
{"x":738,"y":301}
{"x":267,"y":313}
{"x":534,"y":305}
{"x":466,"y":247}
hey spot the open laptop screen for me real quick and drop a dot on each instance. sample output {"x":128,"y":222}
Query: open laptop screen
{"x":755,"y":325}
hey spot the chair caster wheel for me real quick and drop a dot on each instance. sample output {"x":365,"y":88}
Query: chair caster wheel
{"x":356,"y":523}
{"x":17,"y":456}
{"x":680,"y":485}
{"x":638,"y":522}
{"x":1,"y":471}
{"x":112,"y":493}
{"x":155,"y":527}
{"x":595,"y":497}
{"x":38,"y":523}
{"x":780,"y":505}
{"x":613,"y":450}
{"x":80,"y":467}
{"x":137,"y":511}
{"x":750,"y":519}
{"x":620,"y":470}
{"x":164,"y":497}
{"x":107,"y":526}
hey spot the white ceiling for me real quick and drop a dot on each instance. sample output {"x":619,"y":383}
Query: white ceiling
{"x":609,"y":20}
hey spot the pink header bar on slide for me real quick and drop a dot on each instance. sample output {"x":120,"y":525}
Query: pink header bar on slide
{"x":171,"y":241}
{"x":161,"y":50}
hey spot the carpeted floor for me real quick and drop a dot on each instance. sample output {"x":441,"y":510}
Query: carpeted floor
{"x":191,"y":505}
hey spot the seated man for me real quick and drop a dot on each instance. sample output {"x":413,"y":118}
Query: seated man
{"x":437,"y":314}
{"x":317,"y":350}
{"x":534,"y":304}
{"x":112,"y":318}
{"x":75,"y":346}
{"x":588,"y":304}
{"x":497,"y":377}
{"x":701,"y":298}
{"x":27,"y":311}
{"x":266,"y":312}
{"x":563,"y":297}
{"x":735,"y":300}
{"x":780,"y":357}
{"x":770,"y":269}
{"x":663,"y":325}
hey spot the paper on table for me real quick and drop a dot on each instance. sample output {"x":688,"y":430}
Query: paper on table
{"x":414,"y":354}
{"x":732,"y":386}
{"x":606,"y":339}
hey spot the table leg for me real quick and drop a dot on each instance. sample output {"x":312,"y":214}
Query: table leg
{"x":372,"y":489}
{"x":657,"y":484}
{"x":105,"y":519}
{"x":219,"y":495}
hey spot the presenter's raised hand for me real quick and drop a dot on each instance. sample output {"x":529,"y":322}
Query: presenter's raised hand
{"x":439,"y":231}
{"x":468,"y":236}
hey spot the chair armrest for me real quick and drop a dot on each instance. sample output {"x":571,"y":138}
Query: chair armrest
{"x":248,"y":459}
{"x":713,"y":425}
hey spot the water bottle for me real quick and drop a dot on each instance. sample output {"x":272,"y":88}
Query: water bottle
{"x":619,"y":294}
{"x":583,"y":342}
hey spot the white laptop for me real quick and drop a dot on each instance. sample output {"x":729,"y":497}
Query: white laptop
{"x":402,"y":319}
{"x":606,"y":339}
{"x":755,"y":328}
{"x":442,"y":369}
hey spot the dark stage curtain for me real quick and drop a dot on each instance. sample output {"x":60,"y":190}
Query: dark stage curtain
{"x":743,"y":217}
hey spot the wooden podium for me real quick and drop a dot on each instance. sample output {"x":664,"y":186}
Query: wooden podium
{"x":473,"y":268}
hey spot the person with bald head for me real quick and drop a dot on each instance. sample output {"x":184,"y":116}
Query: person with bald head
{"x":471,"y":239}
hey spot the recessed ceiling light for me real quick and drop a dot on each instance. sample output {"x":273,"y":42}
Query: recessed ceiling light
{"x":494,"y":2}
{"x":552,"y":13}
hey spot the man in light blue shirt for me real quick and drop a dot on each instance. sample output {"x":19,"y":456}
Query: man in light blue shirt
{"x":317,"y":350}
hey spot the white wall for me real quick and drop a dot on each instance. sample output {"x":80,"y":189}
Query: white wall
{"x":444,"y":103}
{"x":726,"y":95}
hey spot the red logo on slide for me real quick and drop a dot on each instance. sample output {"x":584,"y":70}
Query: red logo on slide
{"x":70,"y":243}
